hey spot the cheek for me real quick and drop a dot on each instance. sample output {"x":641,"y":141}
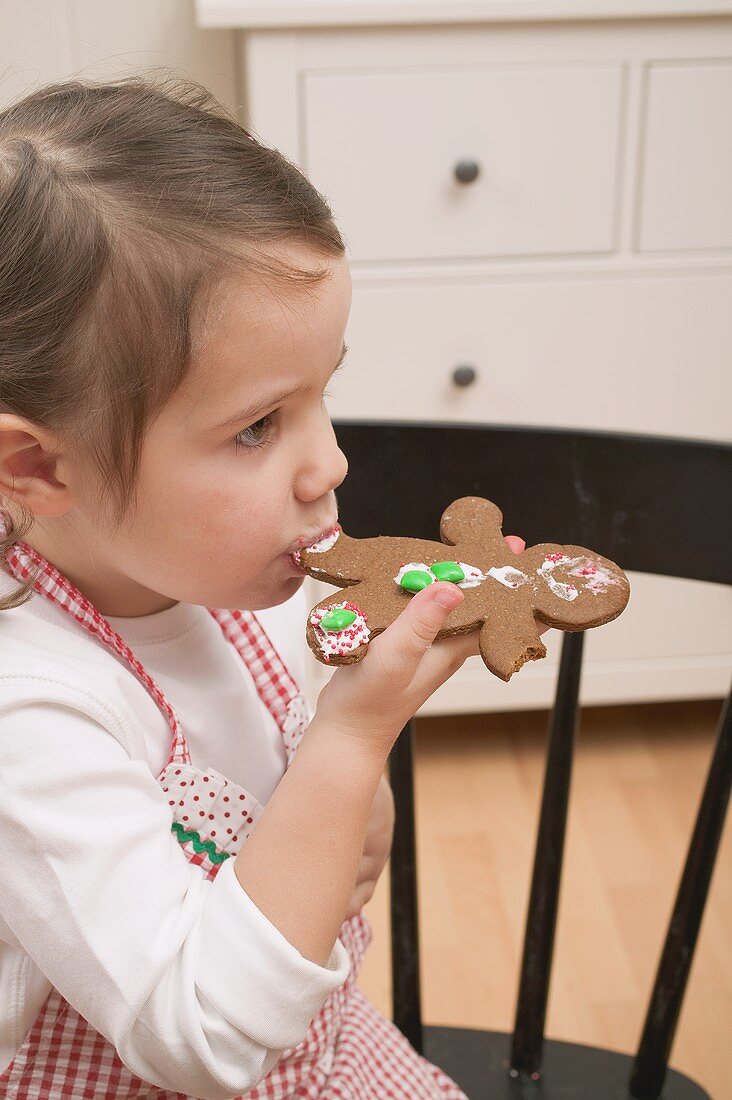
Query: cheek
{"x":200,"y":484}
{"x":224,"y":501}
{"x":249,"y":519}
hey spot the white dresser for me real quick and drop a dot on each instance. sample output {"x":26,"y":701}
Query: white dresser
{"x":540,"y":191}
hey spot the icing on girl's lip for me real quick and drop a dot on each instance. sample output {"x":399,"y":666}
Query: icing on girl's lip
{"x":310,"y":543}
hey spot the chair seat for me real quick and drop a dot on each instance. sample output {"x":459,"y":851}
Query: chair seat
{"x":478,"y":1061}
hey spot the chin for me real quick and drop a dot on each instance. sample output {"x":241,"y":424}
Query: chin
{"x":279,"y":594}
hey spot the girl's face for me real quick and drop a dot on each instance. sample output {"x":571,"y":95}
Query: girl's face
{"x":241,"y":463}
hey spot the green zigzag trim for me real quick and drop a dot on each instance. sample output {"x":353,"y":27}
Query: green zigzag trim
{"x":199,"y":845}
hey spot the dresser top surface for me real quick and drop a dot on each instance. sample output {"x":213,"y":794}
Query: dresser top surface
{"x":288,"y":14}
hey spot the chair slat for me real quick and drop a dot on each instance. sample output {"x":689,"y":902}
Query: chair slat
{"x":541,"y":920}
{"x":406,"y":998}
{"x":654,"y":1051}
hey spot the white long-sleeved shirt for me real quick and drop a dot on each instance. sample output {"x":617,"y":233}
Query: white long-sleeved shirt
{"x":198,"y":991}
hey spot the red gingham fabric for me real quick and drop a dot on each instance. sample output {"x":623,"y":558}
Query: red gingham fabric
{"x":351,"y":1051}
{"x":274,"y":683}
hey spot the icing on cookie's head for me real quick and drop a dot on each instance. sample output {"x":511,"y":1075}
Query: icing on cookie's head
{"x":319,"y":547}
{"x":326,"y":542}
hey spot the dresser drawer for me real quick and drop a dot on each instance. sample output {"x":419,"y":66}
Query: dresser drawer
{"x":638,"y":354}
{"x":383,"y":147}
{"x":686,"y":198}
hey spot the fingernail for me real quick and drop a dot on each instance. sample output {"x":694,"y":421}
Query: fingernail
{"x":448,"y":597}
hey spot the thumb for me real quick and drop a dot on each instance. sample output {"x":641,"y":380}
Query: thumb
{"x":404,"y":643}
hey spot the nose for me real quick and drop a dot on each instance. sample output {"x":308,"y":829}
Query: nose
{"x":324,"y":468}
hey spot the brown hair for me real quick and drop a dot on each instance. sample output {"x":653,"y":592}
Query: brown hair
{"x":121,"y":205}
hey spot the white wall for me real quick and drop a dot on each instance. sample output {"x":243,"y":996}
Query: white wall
{"x":46,"y":40}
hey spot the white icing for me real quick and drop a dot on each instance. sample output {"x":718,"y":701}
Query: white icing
{"x":577,"y":567}
{"x":601,"y":577}
{"x":409,"y":566}
{"x":509,"y":575}
{"x":334,"y":643}
{"x":325,"y":543}
{"x":473,"y":575}
{"x":567,"y":592}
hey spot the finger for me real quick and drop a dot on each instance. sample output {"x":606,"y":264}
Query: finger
{"x":446,"y":657}
{"x":360,"y":897}
{"x":403,"y":644}
{"x":368,"y":868}
{"x":461,"y":647}
{"x":515,"y":543}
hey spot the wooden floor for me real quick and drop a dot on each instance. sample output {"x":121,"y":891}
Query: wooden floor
{"x":638,"y":774}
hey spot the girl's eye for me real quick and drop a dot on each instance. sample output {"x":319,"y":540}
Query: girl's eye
{"x":256,"y":436}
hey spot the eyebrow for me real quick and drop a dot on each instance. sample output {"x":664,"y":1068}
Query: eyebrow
{"x":252,"y":411}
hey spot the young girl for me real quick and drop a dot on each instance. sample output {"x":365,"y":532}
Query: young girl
{"x":186,"y":850}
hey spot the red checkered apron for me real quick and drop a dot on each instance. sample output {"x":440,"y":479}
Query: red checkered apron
{"x":351,"y":1051}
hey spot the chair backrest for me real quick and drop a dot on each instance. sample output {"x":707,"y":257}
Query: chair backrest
{"x":653,"y":505}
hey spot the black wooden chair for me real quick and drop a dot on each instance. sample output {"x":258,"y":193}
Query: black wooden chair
{"x":654,"y":505}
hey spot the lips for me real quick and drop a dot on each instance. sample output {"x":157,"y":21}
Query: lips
{"x":310,"y":540}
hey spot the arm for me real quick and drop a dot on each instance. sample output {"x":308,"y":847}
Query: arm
{"x":314,"y":827}
{"x":379,"y":839}
{"x":301,"y":861}
{"x":284,"y":625}
{"x":198,"y":991}
{"x":313,"y":831}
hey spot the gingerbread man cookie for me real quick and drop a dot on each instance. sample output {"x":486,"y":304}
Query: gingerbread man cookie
{"x":568,"y":587}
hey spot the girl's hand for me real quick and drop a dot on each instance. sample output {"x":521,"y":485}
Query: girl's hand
{"x":380,"y":829}
{"x":379,"y":837}
{"x":372,"y":700}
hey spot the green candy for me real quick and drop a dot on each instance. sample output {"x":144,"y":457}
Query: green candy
{"x":415,"y":580}
{"x":337,"y":619}
{"x":448,"y":571}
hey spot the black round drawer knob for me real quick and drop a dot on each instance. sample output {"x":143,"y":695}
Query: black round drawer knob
{"x":466,"y":171}
{"x":464,"y":375}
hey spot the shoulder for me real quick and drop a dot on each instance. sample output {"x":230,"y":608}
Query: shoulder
{"x":46,"y":659}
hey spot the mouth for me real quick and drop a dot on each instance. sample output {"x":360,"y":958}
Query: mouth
{"x":305,"y":542}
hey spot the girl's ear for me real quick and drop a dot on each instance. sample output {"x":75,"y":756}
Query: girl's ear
{"x":29,"y":467}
